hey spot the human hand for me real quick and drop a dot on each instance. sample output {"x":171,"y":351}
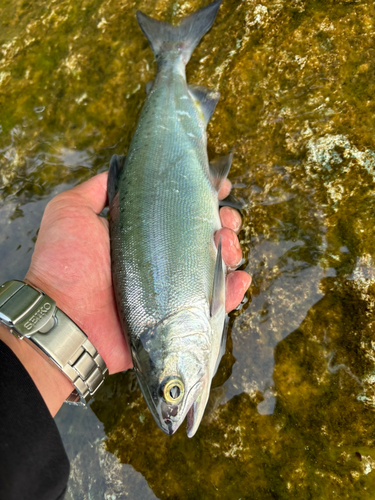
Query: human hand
{"x":71,"y":264}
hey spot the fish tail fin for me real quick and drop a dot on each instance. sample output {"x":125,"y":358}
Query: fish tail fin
{"x":164,"y":37}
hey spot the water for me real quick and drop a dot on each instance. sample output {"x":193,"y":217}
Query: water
{"x":291,"y":413}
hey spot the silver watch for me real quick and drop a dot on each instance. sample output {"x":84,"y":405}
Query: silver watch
{"x":33,"y":316}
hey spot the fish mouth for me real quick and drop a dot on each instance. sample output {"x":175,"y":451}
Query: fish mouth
{"x":195,"y":413}
{"x":172,"y":418}
{"x":192,"y":422}
{"x":166,"y":416}
{"x":190,"y":419}
{"x":171,"y":426}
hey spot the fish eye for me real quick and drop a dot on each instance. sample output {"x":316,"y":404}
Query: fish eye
{"x":173,"y":391}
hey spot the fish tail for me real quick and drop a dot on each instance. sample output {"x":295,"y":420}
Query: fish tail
{"x":164,"y":37}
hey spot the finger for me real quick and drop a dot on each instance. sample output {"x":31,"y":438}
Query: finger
{"x":94,"y":191}
{"x":225,"y":189}
{"x":230,"y":247}
{"x":236,"y":285}
{"x":231,"y":219}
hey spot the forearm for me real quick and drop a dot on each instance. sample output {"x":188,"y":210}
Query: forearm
{"x":52,"y":384}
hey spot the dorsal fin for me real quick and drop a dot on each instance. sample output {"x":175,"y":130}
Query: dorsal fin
{"x":116,"y":164}
{"x":219,"y":168}
{"x":218,"y":289}
{"x":207,"y":99}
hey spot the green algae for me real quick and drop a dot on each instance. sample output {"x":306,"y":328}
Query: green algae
{"x":291,"y":413}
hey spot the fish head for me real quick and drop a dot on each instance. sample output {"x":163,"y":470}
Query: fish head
{"x":172,"y":363}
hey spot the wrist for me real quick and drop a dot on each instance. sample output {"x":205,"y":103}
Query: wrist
{"x":94,"y":313}
{"x":65,"y":302}
{"x":62,"y":361}
{"x":52,"y":384}
{"x":69,"y":302}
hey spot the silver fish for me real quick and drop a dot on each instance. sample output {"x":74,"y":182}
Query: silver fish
{"x":168,"y":277}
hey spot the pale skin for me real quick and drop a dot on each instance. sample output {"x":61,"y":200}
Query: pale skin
{"x":71,"y":264}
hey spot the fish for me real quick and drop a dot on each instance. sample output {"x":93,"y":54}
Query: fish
{"x":168,"y":275}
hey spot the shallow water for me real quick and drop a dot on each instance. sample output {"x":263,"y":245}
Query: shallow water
{"x":292,"y":410}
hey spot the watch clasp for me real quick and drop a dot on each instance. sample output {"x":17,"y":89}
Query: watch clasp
{"x":30,"y":312}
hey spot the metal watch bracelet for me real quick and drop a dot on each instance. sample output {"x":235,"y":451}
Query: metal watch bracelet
{"x":33,"y":316}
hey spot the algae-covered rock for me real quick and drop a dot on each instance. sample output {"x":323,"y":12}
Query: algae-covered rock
{"x":292,"y":409}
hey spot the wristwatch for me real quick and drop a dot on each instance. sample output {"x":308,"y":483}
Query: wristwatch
{"x":33,"y":316}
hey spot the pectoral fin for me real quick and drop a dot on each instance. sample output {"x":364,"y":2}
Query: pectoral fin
{"x":206,"y":98}
{"x":115,"y":166}
{"x":218,"y":289}
{"x":219,"y":169}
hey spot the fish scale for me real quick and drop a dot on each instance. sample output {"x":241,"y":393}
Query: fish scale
{"x":178,"y":269}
